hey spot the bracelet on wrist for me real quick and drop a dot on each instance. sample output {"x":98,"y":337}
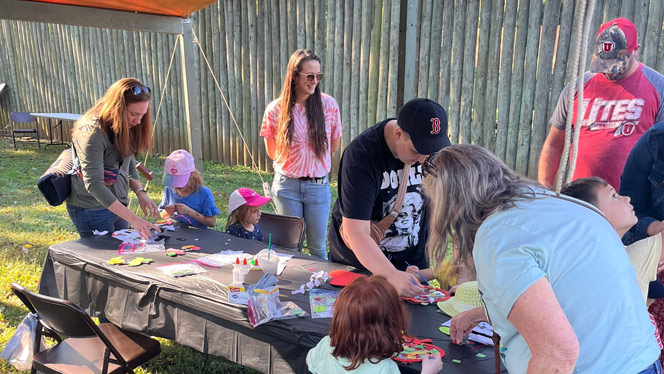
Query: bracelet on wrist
{"x":140,"y":190}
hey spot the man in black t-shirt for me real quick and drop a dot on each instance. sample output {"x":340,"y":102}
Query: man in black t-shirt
{"x":370,"y":171}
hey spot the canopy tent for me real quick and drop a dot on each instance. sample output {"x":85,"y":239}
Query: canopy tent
{"x":165,"y":16}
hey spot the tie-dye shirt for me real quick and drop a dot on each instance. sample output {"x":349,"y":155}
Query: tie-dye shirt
{"x":301,"y":161}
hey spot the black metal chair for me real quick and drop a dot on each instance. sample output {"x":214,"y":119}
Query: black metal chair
{"x":23,"y":117}
{"x":287,"y":231}
{"x":87,"y":348}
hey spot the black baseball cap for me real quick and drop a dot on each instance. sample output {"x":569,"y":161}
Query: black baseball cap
{"x":425,"y":121}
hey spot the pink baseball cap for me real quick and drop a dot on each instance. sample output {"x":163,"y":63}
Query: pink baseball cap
{"x":245,"y":196}
{"x":177,"y":168}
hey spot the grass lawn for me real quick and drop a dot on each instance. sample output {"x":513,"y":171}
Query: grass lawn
{"x":28,"y":226}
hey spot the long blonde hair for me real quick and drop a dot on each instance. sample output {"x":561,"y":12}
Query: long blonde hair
{"x":465,"y":185}
{"x":314,"y":108}
{"x":111,"y":111}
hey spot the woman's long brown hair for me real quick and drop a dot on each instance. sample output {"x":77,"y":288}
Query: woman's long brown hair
{"x":369,"y":322}
{"x":466,"y":184}
{"x":111,"y":111}
{"x":314,"y":108}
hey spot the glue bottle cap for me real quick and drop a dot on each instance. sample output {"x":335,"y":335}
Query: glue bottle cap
{"x":256,"y":261}
{"x":245,"y":261}
{"x":237,"y":261}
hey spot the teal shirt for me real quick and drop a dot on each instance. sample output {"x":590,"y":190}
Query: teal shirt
{"x":321,"y":361}
{"x":581,"y":256}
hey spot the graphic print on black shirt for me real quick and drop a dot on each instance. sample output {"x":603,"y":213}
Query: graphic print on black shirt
{"x":369,"y":177}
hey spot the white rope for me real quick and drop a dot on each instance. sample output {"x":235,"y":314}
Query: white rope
{"x":584,"y":13}
{"x":244,"y":142}
{"x":581,"y":109}
{"x":156,"y":119}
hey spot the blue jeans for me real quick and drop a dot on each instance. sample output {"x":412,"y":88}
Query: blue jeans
{"x":308,"y":200}
{"x":655,"y":368}
{"x":87,"y":220}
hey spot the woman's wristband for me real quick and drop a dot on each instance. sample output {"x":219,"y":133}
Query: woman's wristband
{"x":140,"y":190}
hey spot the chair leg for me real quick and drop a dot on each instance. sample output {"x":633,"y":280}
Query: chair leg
{"x":14,"y":139}
{"x":38,"y":143}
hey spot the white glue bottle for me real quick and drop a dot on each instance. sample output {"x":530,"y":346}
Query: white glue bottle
{"x":238,"y":272}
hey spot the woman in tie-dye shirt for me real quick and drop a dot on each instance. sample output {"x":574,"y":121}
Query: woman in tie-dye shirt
{"x":302,"y":128}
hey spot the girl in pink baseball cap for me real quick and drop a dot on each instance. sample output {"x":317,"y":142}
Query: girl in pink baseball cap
{"x":185,"y":197}
{"x":245,"y":212}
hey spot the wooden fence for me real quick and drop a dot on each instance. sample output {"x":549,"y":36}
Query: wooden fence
{"x":498,"y":66}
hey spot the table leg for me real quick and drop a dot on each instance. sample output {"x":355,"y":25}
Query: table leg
{"x":50,"y":134}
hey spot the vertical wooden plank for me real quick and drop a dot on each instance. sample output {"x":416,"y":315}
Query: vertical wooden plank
{"x":285,"y":37}
{"x":446,"y":56}
{"x":504,"y":83}
{"x":276,"y":50}
{"x":237,"y":109}
{"x":457,"y":68}
{"x":329,"y":49}
{"x":641,"y":10}
{"x":253,"y":81}
{"x":374,"y":64}
{"x":472,"y":13}
{"x":365,"y":51}
{"x":627,"y":9}
{"x":229,"y":26}
{"x":246,"y":85}
{"x":528,"y":89}
{"x":650,"y":41}
{"x":354,"y":65}
{"x":490,"y":116}
{"x":222,"y":110}
{"x":562,"y":54}
{"x":611,"y":11}
{"x":517,"y":83}
{"x":394,"y":59}
{"x":346,"y":72}
{"x":426,"y":35}
{"x":339,"y":60}
{"x":383,"y":69}
{"x":291,"y":14}
{"x":435,"y":55}
{"x":543,"y":84}
{"x":411,"y":50}
{"x":299,"y":16}
{"x":477,"y":130}
{"x":260,"y":86}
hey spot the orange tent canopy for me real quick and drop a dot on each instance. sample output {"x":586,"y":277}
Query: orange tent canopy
{"x":177,"y":8}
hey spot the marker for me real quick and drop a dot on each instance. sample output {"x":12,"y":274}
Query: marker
{"x":421,"y":276}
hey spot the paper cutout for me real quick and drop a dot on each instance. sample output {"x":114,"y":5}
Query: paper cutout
{"x":482,"y":333}
{"x":126,"y":248}
{"x":314,"y":281}
{"x":480,"y":355}
{"x":415,"y":350}
{"x":456,"y":361}
{"x":178,"y":270}
{"x":433,"y":295}
{"x":95,"y":232}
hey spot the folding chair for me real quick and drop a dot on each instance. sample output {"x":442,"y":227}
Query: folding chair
{"x":287,"y":231}
{"x":87,"y":348}
{"x":22,"y":117}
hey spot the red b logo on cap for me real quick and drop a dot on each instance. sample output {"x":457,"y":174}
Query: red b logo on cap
{"x":435,"y":126}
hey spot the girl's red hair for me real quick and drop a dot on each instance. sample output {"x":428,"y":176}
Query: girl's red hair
{"x":369,"y":322}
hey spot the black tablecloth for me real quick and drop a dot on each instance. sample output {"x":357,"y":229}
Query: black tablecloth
{"x":195,"y":311}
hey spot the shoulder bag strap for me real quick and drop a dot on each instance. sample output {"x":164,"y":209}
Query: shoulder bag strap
{"x":385,"y":223}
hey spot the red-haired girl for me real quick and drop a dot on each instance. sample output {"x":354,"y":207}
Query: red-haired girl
{"x":368,"y":328}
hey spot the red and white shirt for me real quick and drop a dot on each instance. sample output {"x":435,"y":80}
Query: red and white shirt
{"x":301,"y":161}
{"x":617,"y":113}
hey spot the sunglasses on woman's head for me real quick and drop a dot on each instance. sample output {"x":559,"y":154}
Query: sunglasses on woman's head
{"x":137,"y":90}
{"x":428,"y":168}
{"x":310,"y":77}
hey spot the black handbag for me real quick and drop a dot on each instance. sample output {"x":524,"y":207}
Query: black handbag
{"x":55,"y":184}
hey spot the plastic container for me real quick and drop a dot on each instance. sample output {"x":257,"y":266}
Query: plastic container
{"x":268,"y":266}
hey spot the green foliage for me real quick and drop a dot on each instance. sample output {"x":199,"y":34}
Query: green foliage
{"x":28,"y":226}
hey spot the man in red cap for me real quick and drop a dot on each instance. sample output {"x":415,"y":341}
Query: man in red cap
{"x":622,"y":98}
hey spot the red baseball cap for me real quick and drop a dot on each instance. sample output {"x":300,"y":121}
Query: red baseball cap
{"x":616,"y":40}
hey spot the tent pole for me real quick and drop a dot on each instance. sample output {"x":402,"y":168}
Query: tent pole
{"x":192,"y":102}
